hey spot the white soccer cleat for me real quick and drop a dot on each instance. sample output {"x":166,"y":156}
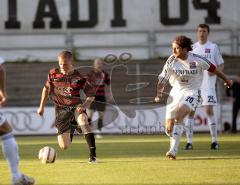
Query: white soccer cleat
{"x":170,"y":156}
{"x":24,"y":180}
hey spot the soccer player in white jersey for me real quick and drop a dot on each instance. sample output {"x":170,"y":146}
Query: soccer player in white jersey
{"x":185,"y":69}
{"x":9,"y":145}
{"x":209,"y":50}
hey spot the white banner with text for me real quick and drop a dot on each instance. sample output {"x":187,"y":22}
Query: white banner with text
{"x":120,"y":120}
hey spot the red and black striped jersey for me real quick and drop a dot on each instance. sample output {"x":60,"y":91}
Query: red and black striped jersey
{"x":99,"y":79}
{"x":65,"y":90}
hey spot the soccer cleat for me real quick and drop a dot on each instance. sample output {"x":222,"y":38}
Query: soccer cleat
{"x":189,"y":146}
{"x":170,"y":156}
{"x":92,"y":160}
{"x":24,"y":180}
{"x":214,"y":146}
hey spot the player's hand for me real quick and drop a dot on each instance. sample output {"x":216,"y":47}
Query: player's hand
{"x":229,"y":83}
{"x":157,"y":99}
{"x":40,"y":111}
{"x":80,"y":109}
{"x":3,"y":99}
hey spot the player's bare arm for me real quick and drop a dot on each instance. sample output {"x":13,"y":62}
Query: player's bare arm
{"x":220,"y":68}
{"x":3,"y":94}
{"x":86,"y":104}
{"x":44,"y":98}
{"x":160,"y":89}
{"x":228,"y":83}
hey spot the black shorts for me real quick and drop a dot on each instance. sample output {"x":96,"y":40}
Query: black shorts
{"x":99,"y":103}
{"x":65,"y":120}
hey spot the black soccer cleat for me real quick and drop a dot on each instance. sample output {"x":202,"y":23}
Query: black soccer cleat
{"x":92,"y":160}
{"x":189,"y":146}
{"x":214,"y":146}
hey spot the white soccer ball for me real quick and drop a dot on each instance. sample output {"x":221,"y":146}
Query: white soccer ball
{"x":47,"y":155}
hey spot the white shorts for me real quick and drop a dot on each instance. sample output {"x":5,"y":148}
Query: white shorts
{"x":178,"y":98}
{"x":209,"y":96}
{"x":2,"y":119}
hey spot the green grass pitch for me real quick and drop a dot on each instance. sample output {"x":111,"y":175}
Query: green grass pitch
{"x":131,"y":160}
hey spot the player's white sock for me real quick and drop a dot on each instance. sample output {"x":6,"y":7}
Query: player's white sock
{"x":10,"y":151}
{"x":175,"y":138}
{"x":189,"y":129}
{"x":212,"y":127}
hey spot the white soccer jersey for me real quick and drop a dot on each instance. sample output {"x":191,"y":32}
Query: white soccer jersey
{"x":186,"y":79}
{"x":185,"y":75}
{"x":210,"y":51}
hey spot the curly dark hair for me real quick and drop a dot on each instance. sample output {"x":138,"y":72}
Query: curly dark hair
{"x":184,"y":42}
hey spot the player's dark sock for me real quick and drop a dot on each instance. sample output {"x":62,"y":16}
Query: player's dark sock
{"x":91,"y":144}
{"x":72,"y":132}
{"x":90,"y":121}
{"x":71,"y":136}
{"x":100,"y":124}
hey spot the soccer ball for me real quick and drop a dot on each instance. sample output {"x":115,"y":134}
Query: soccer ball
{"x":47,"y":155}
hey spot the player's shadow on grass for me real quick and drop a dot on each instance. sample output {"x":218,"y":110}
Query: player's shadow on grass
{"x":207,"y":158}
{"x":107,"y":161}
{"x":165,"y":183}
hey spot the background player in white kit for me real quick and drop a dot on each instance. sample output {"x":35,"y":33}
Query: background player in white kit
{"x":210,"y":51}
{"x":186,"y":72}
{"x":9,"y":145}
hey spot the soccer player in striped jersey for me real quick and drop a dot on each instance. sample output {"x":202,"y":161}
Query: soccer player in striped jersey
{"x":64,"y":85}
{"x":99,"y":78}
{"x":209,"y":50}
{"x":9,"y":145}
{"x":185,"y":69}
